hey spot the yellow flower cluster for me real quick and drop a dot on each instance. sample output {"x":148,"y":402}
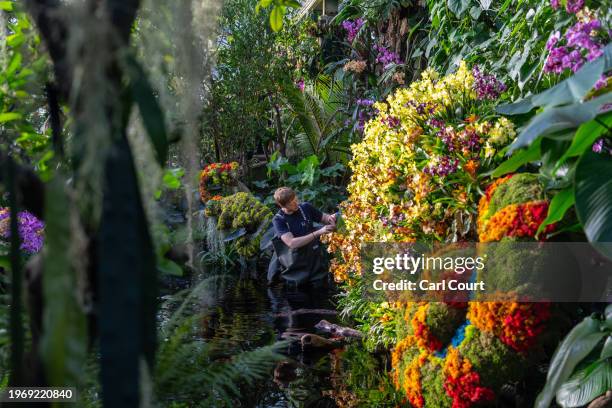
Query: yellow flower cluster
{"x":415,"y":167}
{"x":502,"y":132}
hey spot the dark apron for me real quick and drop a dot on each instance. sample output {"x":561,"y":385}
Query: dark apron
{"x":298,"y":266}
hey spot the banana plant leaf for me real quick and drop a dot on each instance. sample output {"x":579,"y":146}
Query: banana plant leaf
{"x":561,"y":118}
{"x":586,"y":385}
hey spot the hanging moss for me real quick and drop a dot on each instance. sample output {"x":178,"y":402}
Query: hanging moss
{"x":242,"y":210}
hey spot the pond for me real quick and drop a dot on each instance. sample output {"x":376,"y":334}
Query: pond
{"x":247,"y":314}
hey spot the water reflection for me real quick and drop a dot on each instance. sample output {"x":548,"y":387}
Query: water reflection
{"x":244,"y":314}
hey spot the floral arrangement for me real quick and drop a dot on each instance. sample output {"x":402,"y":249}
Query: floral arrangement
{"x":217,"y":174}
{"x":241,"y":210}
{"x":490,"y":346}
{"x":513,"y":206}
{"x":490,"y":343}
{"x":415,"y":174}
{"x":31,"y":230}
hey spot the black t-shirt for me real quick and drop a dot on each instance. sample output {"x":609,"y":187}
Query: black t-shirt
{"x":295,"y":222}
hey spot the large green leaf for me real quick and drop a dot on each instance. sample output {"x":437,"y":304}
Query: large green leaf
{"x":522,"y":106}
{"x":458,"y":7}
{"x":150,"y":111}
{"x":586,"y":385}
{"x":576,"y":346}
{"x":308,"y":167}
{"x":593,"y":184}
{"x":9,"y":116}
{"x":586,"y":135}
{"x":276,"y":17}
{"x":559,"y":205}
{"x":608,"y":317}
{"x":64,"y":341}
{"x":168,"y":267}
{"x":553,"y":147}
{"x":557,"y":119}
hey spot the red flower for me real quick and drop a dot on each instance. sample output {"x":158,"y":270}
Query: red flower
{"x":465,"y":390}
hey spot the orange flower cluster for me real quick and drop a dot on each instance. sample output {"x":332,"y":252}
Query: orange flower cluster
{"x":514,"y":220}
{"x":347,"y":246}
{"x":410,"y":375}
{"x":421,"y":331}
{"x":216,"y":174}
{"x":515,"y":324}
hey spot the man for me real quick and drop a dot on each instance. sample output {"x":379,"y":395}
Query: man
{"x":298,"y":256}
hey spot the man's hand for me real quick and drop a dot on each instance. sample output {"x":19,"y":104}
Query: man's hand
{"x":329,"y":219}
{"x":325,"y":230}
{"x":332,"y":219}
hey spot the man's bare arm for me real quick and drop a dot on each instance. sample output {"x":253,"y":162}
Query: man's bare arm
{"x":298,"y":242}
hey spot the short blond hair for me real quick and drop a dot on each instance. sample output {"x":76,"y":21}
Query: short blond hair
{"x":283,"y":196}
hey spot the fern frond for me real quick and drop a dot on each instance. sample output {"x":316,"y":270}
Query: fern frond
{"x":246,"y":368}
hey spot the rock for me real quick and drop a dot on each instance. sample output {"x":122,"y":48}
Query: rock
{"x":293,"y":336}
{"x":315,"y":341}
{"x":336,"y":330}
{"x":284,"y":372}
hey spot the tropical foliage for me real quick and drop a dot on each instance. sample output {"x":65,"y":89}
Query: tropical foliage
{"x":141,"y":143}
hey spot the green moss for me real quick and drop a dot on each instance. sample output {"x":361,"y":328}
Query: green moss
{"x":495,"y":362}
{"x":443,"y":320}
{"x":242,"y":210}
{"x":521,"y":188}
{"x":537,"y":272}
{"x":432,"y":385}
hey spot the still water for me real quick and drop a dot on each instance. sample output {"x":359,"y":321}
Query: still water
{"x":247,"y":314}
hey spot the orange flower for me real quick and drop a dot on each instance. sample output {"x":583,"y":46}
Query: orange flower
{"x":472,"y":118}
{"x":471,"y":166}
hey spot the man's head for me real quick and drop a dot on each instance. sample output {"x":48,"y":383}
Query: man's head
{"x":286,"y":199}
